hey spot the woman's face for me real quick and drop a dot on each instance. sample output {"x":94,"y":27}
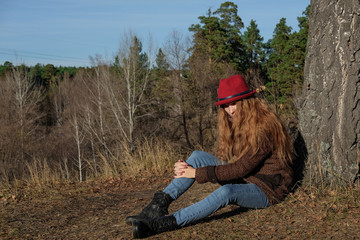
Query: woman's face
{"x":230,"y":109}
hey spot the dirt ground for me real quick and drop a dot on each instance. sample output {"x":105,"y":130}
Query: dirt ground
{"x":97,"y":210}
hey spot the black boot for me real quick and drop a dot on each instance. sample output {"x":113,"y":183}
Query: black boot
{"x":158,"y":207}
{"x":146,"y":228}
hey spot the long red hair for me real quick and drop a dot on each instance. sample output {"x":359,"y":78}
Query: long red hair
{"x":253,"y":126}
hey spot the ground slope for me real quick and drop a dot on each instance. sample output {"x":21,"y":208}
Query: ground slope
{"x":96,"y":210}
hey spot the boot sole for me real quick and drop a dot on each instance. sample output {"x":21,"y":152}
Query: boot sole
{"x":130,"y":219}
{"x":141,"y":230}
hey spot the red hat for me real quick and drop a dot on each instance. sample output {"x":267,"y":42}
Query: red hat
{"x":232,"y":89}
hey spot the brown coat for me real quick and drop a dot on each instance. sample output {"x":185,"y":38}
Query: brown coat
{"x":263,"y":169}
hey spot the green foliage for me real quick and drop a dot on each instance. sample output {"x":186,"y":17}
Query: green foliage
{"x":218,"y":36}
{"x":255,"y":53}
{"x":161,"y":86}
{"x":134,"y":60}
{"x":5,"y":68}
{"x":161,"y":63}
{"x":62,"y":71}
{"x":48,"y":75}
{"x":254,"y":46}
{"x":36,"y":74}
{"x":286,"y":61}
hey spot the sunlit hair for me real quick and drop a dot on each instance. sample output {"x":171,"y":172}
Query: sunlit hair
{"x":254,"y":125}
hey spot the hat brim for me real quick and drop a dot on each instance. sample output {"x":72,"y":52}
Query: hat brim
{"x":230,"y":100}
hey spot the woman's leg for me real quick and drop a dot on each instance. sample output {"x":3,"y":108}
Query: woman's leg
{"x":159,"y":205}
{"x":197,"y":159}
{"x":244,"y":195}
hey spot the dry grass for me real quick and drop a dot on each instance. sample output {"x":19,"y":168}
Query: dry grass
{"x":40,"y":172}
{"x":152,"y":156}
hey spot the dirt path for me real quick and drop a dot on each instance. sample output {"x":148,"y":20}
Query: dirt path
{"x":97,"y":211}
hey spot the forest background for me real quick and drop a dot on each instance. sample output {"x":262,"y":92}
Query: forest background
{"x":135,"y":116}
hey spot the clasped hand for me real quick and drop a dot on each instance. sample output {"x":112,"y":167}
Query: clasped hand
{"x":183,"y":170}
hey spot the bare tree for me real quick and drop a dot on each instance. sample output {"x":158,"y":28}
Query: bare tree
{"x":79,"y":138}
{"x":97,"y":127}
{"x":176,"y":51}
{"x":25,"y":100}
{"x":19,"y":121}
{"x":126,"y":91}
{"x":70,"y":100}
{"x":102,"y":74}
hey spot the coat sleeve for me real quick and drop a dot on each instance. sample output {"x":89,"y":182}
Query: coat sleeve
{"x":241,"y":168}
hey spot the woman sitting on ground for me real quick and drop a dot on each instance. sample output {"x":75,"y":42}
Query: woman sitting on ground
{"x":253,"y":164}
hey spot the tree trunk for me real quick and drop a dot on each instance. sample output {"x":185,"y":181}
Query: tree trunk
{"x":78,"y":140}
{"x":330,"y":106}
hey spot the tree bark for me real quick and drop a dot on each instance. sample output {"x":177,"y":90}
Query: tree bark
{"x":330,"y":106}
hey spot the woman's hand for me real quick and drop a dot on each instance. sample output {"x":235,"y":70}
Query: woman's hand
{"x":183,"y":170}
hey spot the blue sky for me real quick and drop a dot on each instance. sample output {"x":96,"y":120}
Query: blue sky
{"x":68,"y":32}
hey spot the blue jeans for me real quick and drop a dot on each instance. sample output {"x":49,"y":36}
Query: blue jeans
{"x":245,"y":195}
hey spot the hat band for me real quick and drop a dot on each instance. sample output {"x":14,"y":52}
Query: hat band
{"x":236,"y":95}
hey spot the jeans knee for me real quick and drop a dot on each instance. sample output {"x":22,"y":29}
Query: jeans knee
{"x":196,"y":154}
{"x":223,"y":195}
{"x":192,"y":160}
{"x":224,"y":191}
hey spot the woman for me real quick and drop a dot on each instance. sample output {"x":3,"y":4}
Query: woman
{"x":254,"y":171}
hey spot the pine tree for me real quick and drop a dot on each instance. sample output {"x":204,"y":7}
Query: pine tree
{"x":286,"y":62}
{"x":161,"y":87}
{"x":255,"y":55}
{"x":254,"y":45}
{"x":218,"y":36}
{"x":299,"y":42}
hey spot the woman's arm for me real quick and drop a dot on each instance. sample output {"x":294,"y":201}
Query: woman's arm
{"x":239,"y":169}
